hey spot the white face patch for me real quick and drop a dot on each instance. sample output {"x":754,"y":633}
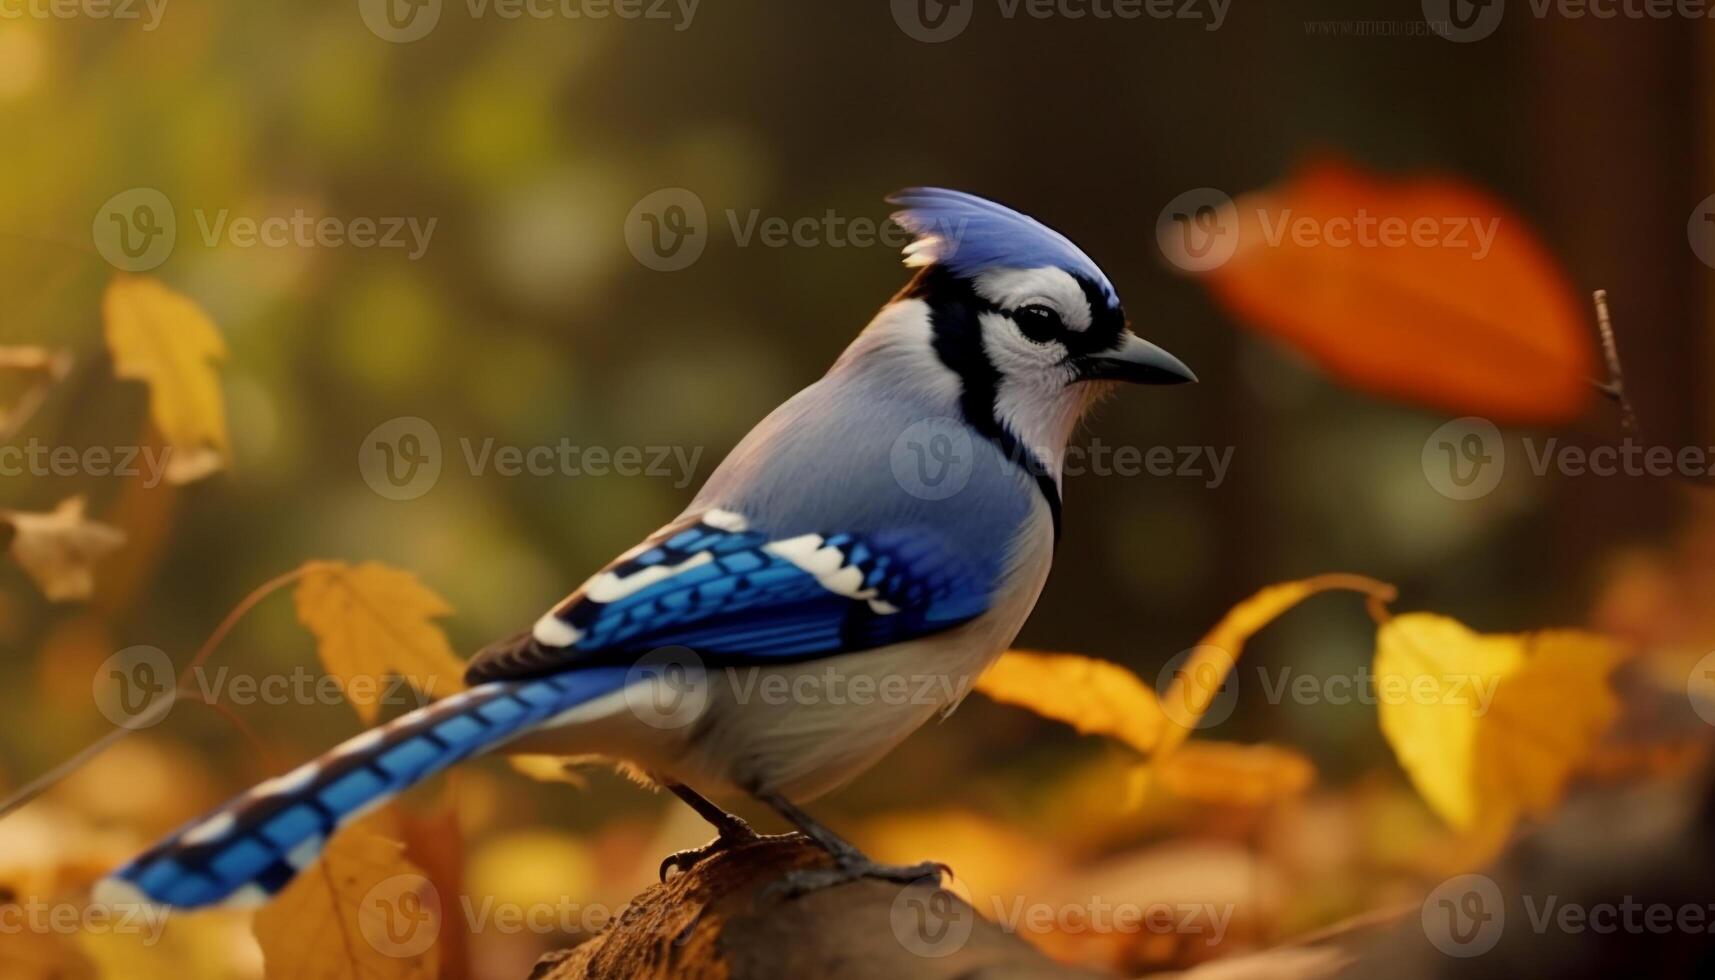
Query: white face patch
{"x":1036,"y":398}
{"x":1054,"y":288}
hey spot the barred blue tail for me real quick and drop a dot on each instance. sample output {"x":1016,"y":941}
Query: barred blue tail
{"x":248,"y":850}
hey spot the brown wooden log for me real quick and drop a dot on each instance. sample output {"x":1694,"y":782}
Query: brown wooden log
{"x":715,"y":923}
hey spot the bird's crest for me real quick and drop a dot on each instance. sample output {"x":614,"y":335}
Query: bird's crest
{"x":969,"y":234}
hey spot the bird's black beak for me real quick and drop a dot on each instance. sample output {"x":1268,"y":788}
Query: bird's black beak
{"x":1136,"y":361}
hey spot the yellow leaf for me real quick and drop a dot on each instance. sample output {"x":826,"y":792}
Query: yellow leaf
{"x":158,"y":944}
{"x":1200,"y":678}
{"x":1230,"y":774}
{"x":1490,"y":727}
{"x":372,"y":621}
{"x":548,"y":768}
{"x":164,"y":339}
{"x":60,"y":548}
{"x":41,"y":955}
{"x":1094,"y":696}
{"x":362,"y":912}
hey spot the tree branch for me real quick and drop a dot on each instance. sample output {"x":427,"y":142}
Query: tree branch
{"x":714,"y":923}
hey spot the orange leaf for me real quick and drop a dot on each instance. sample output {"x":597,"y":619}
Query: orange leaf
{"x":1425,"y":289}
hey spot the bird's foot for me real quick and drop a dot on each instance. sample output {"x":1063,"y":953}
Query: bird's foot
{"x":732,"y":834}
{"x":852,"y":867}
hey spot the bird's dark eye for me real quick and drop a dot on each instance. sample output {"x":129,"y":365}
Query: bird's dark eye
{"x":1038,"y":323}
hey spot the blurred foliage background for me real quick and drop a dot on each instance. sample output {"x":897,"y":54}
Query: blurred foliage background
{"x":527,"y":320}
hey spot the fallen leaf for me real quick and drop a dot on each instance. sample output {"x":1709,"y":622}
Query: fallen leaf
{"x":1460,"y":306}
{"x":1490,"y":726}
{"x":372,"y":621}
{"x":1230,"y":774}
{"x":1200,"y":678}
{"x":363,"y":912}
{"x":59,"y":549}
{"x":1096,"y":697}
{"x":163,"y":338}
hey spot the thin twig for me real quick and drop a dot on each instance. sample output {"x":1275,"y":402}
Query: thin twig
{"x":52,"y":366}
{"x":182,"y":687}
{"x":41,"y":784}
{"x":1615,"y":386}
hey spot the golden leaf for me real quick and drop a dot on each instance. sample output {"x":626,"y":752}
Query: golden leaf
{"x":60,"y":548}
{"x":164,"y":339}
{"x":548,"y":768}
{"x":1094,"y":696}
{"x":1198,"y":681}
{"x":1230,"y":774}
{"x":363,"y":912}
{"x":40,"y":955}
{"x":372,"y":621}
{"x":1490,"y":727}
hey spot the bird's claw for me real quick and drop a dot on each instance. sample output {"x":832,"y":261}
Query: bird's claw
{"x":805,"y":880}
{"x":735,"y":835}
{"x":681,"y":862}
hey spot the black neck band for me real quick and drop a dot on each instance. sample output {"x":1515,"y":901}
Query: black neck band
{"x":953,"y":310}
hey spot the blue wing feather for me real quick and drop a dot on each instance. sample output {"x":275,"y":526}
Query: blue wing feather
{"x":737,"y":595}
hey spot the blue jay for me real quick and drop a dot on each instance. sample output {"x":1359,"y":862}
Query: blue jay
{"x":896,"y":519}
